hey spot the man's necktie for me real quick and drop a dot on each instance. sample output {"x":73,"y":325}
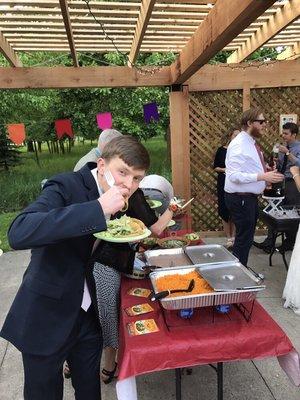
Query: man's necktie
{"x":261,"y":157}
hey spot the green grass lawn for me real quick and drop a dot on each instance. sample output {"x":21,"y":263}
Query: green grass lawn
{"x":22,"y":184}
{"x":5,"y":220}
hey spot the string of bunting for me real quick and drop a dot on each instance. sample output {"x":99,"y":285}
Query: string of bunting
{"x":63,"y":127}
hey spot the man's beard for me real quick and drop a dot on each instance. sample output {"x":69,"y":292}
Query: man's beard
{"x":255,"y":133}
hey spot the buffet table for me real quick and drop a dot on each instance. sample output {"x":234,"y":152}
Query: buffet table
{"x":183,"y":343}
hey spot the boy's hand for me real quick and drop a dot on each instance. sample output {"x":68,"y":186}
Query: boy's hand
{"x":113,"y":199}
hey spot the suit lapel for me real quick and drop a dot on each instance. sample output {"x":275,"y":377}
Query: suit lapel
{"x":89,"y":181}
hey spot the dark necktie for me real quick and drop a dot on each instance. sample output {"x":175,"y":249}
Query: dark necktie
{"x":261,"y":157}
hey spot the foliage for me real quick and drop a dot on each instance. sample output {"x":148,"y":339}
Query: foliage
{"x":9,"y":154}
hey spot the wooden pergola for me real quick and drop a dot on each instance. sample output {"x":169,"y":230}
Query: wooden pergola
{"x":194,"y":29}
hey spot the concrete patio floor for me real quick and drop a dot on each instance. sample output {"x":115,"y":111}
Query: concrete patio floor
{"x":247,"y":380}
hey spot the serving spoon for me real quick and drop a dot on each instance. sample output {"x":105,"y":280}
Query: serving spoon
{"x":161,"y":295}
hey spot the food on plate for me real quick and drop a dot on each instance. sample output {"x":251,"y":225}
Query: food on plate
{"x":149,"y":241}
{"x":125,"y":226}
{"x":173,"y":242}
{"x":182,"y":281}
{"x":192,"y":236}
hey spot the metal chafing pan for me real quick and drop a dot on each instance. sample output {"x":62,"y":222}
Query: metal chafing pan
{"x":190,"y":255}
{"x":168,"y":258}
{"x":205,"y":299}
{"x":209,"y":254}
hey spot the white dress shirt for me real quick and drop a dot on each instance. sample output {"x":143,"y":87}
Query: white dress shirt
{"x":243,"y":164}
{"x":86,"y":299}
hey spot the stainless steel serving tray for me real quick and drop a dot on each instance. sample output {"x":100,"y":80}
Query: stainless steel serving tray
{"x":168,"y":258}
{"x":205,"y":299}
{"x":228,"y":277}
{"x":190,"y":255}
{"x":209,"y":254}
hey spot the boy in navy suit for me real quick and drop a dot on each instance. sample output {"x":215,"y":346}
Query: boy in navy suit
{"x":52,"y":319}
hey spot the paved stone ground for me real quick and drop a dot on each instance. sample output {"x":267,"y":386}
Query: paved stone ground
{"x":258,"y":380}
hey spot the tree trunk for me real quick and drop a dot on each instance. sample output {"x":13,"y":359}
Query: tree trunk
{"x":62,"y":146}
{"x":36,"y":154}
{"x":40,"y":146}
{"x":48,"y":145}
{"x":30,"y":147}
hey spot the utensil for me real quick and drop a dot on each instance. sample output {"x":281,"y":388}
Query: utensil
{"x":187,"y":203}
{"x":165,"y":293}
{"x":111,"y":181}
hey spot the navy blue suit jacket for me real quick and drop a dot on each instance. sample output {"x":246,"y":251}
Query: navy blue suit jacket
{"x":58,"y":227}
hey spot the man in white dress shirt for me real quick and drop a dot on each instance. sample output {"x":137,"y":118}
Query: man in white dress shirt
{"x":246,"y":178}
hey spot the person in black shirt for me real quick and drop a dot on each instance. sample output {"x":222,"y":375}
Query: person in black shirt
{"x":219,"y":167}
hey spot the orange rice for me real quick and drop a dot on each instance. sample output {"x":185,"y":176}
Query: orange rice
{"x":182,"y":281}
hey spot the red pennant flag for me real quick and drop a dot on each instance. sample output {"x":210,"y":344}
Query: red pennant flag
{"x":16,"y":133}
{"x":63,"y":127}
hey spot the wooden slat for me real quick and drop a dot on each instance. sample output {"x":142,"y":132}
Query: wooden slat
{"x":291,"y":52}
{"x":67,"y":22}
{"x":140,"y":30}
{"x":180,"y":155}
{"x":73,"y":77}
{"x":226,"y":20}
{"x":246,"y":96}
{"x":8,"y":52}
{"x":283,"y":17}
{"x":278,"y":74}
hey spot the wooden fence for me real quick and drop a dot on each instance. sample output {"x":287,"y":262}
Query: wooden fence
{"x":211,"y":115}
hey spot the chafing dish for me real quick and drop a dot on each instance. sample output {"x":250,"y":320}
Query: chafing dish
{"x":190,"y":255}
{"x":229,"y":295}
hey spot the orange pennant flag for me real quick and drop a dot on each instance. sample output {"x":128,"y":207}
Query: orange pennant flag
{"x":16,"y":133}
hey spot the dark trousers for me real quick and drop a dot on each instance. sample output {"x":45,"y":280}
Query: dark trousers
{"x":244,"y":213}
{"x":44,"y":374}
{"x":292,"y":197}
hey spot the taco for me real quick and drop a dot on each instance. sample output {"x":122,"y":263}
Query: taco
{"x":125,"y":226}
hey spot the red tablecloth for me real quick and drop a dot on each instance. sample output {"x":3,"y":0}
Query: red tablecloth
{"x":188,"y":345}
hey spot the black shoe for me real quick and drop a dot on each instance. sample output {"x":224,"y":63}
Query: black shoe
{"x":262,"y":245}
{"x":265,"y":246}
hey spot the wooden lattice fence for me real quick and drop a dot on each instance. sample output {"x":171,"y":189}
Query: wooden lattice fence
{"x":211,"y":115}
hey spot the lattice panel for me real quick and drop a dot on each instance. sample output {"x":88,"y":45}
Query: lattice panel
{"x":211,"y":115}
{"x":274,"y":102}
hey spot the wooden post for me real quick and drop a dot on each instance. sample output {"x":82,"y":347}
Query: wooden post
{"x":180,"y":146}
{"x":246,"y":96}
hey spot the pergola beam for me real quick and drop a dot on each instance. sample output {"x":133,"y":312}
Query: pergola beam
{"x":273,"y":74}
{"x":140,"y":30}
{"x":80,"y":77}
{"x":8,"y":52}
{"x":290,"y":53}
{"x":67,"y":22}
{"x":225,"y":21}
{"x":282,"y":18}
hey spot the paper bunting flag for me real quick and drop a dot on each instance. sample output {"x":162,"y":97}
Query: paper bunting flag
{"x":104,"y":120}
{"x":63,"y":127}
{"x":150,"y":111}
{"x":16,"y":133}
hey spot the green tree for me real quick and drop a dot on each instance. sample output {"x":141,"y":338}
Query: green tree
{"x":9,"y":155}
